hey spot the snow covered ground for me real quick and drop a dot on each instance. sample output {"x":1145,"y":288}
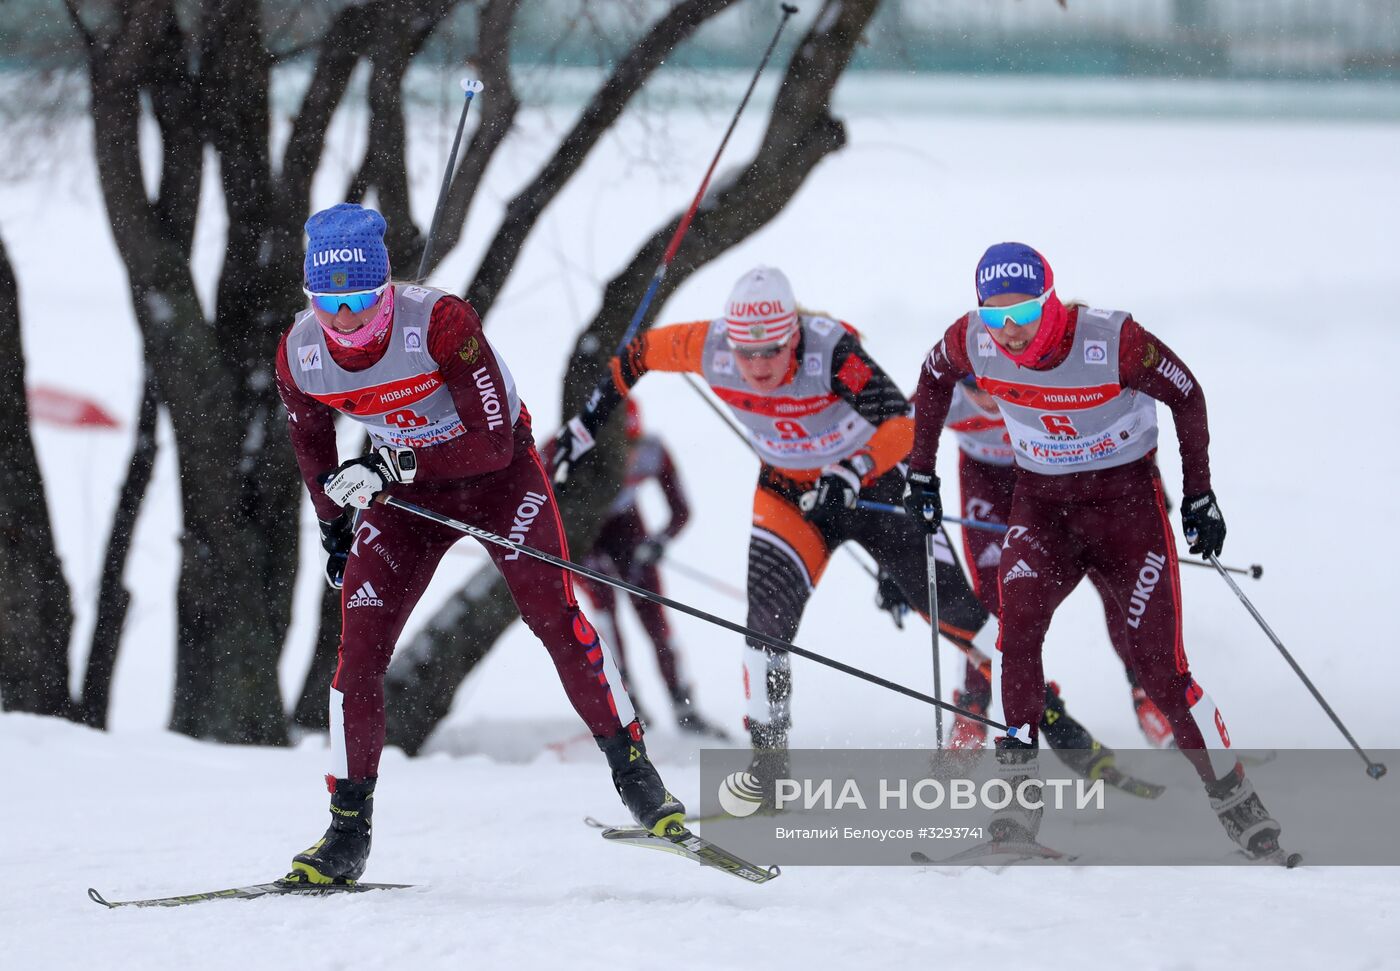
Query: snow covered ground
{"x":1261,"y":250}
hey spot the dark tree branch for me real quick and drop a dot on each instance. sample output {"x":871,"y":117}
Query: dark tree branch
{"x":179,"y":110}
{"x":118,"y":74}
{"x":113,"y":598}
{"x":76,"y":19}
{"x":498,"y":109}
{"x":402,"y":31}
{"x":358,"y":185}
{"x":602,"y":111}
{"x":347,"y":39}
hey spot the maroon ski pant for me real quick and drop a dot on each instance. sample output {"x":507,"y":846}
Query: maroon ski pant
{"x":394,"y":556}
{"x":1113,"y":525}
{"x":986,"y":491}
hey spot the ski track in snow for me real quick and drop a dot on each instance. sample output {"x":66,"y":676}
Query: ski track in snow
{"x":1259,"y":250}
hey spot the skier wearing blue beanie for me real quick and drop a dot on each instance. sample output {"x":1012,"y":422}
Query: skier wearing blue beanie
{"x":411,"y":364}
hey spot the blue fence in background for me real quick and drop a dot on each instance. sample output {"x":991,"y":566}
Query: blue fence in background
{"x":1268,"y":39}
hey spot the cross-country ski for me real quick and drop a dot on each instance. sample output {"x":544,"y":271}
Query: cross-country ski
{"x":276,"y":888}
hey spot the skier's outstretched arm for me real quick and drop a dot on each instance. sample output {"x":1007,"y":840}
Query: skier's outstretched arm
{"x":679,"y":347}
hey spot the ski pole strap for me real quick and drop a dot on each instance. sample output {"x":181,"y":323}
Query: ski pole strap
{"x":765,"y":639}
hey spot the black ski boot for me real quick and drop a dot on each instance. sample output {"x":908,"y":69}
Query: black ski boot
{"x":638,"y":784}
{"x":1076,"y":746}
{"x":769,"y":762}
{"x":340,"y":856}
{"x":1243,"y":815}
{"x":1017,"y":763}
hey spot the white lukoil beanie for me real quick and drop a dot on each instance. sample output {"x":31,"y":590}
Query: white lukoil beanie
{"x":761,"y":308}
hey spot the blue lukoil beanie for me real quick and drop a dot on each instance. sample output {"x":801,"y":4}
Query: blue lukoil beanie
{"x":1012,"y":268}
{"x":345,"y":250}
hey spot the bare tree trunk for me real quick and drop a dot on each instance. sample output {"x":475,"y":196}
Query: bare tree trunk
{"x":228,"y":639}
{"x":210,"y":85}
{"x":426,"y":672}
{"x":112,"y":596}
{"x":402,"y":31}
{"x":35,"y":616}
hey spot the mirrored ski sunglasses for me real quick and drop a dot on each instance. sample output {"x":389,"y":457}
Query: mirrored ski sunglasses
{"x":764,"y":353}
{"x":1021,"y":314}
{"x":356,"y":300}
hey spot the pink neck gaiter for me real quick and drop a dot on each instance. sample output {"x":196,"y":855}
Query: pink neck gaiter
{"x":1047,"y":339}
{"x":371,"y":333}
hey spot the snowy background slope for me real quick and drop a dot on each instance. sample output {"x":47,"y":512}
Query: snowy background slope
{"x":1261,"y":250}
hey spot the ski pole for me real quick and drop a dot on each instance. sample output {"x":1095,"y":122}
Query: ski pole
{"x":1374,"y":769}
{"x":766,"y":639}
{"x":700,"y":576}
{"x":899,"y":511}
{"x":471,"y":87}
{"x":684,"y":224}
{"x":930,"y":555}
{"x":1254,"y":570}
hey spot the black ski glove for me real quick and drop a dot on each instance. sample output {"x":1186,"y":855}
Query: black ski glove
{"x":1202,"y":524}
{"x":336,"y":539}
{"x":579,"y":434}
{"x":922,"y":501}
{"x":889,"y":598}
{"x":837,"y":490}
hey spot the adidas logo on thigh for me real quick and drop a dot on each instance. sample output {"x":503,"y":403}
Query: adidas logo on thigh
{"x":364,"y":597}
{"x":1021,"y":571}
